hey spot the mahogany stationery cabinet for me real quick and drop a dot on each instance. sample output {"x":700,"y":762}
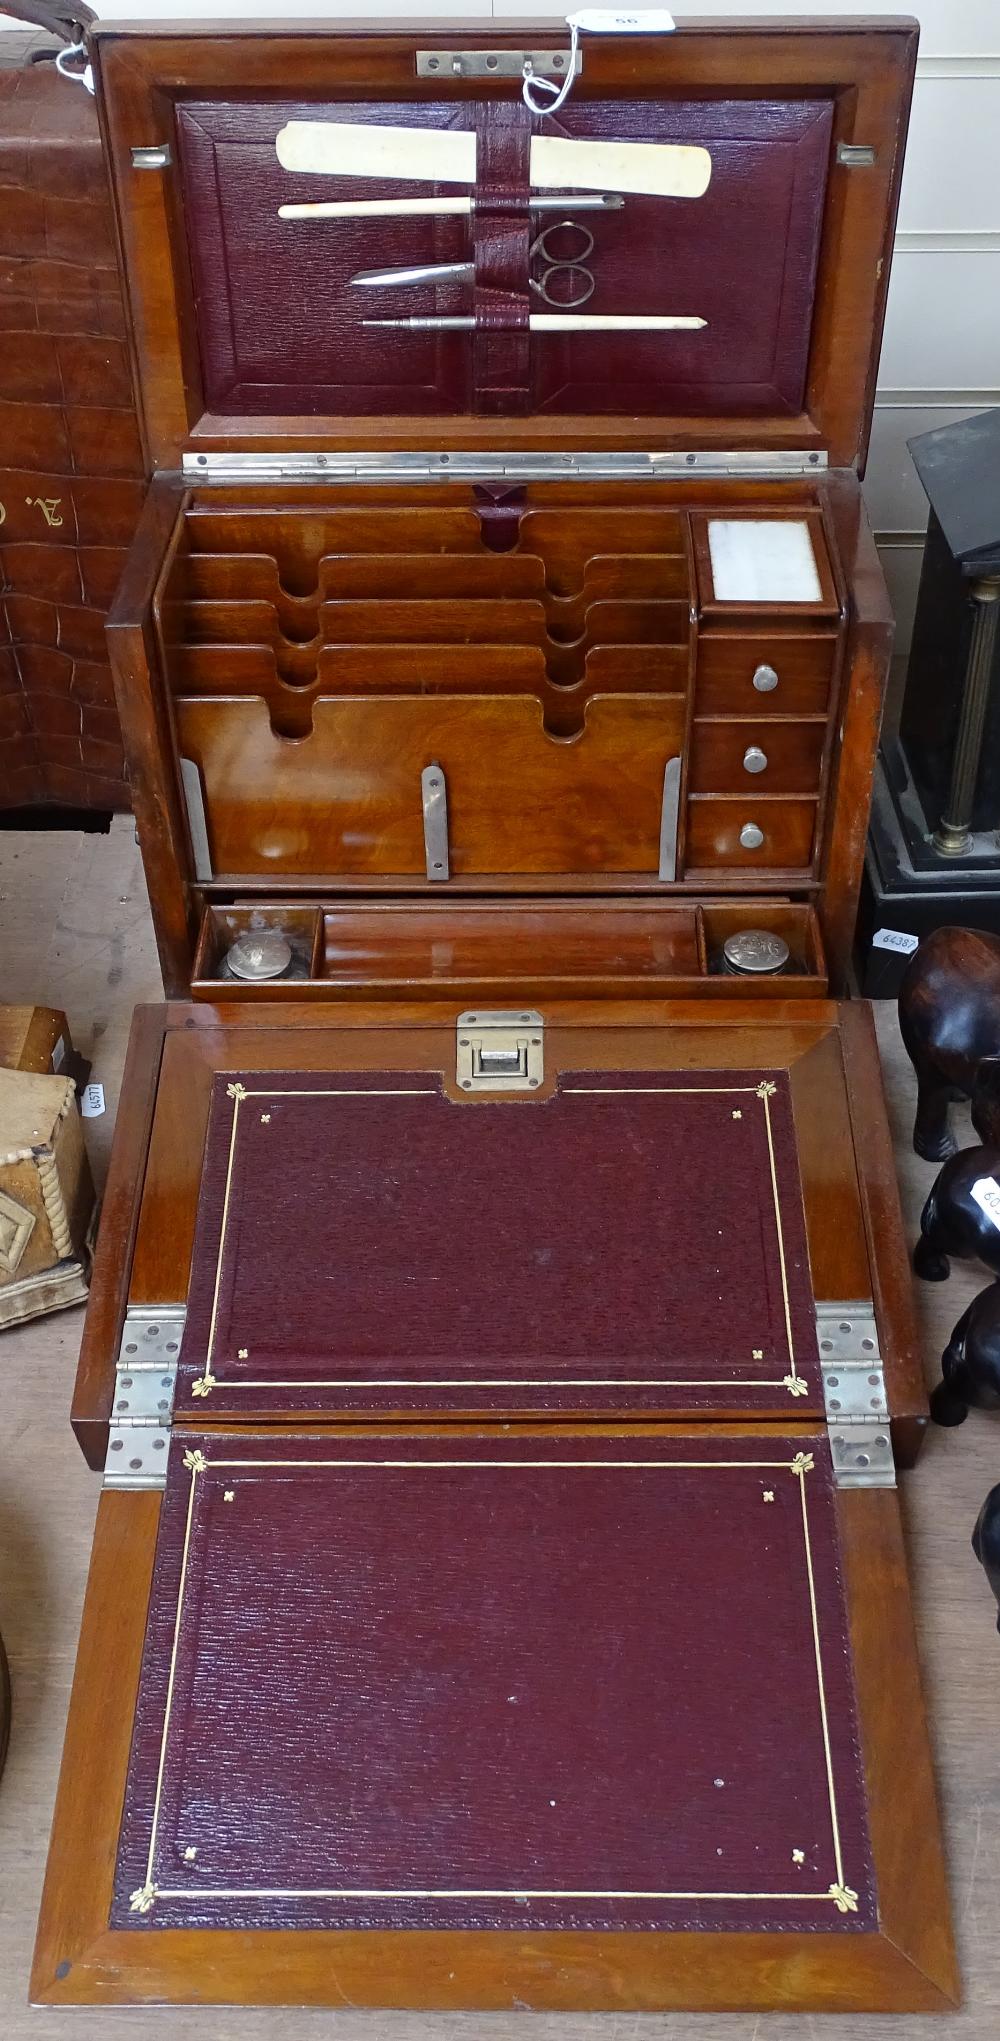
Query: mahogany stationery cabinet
{"x":500,"y":1344}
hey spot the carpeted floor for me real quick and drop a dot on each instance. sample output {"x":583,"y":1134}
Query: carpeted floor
{"x":75,"y":933}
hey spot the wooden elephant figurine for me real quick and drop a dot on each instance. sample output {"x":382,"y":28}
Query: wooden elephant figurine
{"x":949,"y":1018}
{"x":953,"y":1222}
{"x":986,"y":1541}
{"x":970,"y":1365}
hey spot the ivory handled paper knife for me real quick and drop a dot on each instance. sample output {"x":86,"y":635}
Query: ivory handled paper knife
{"x":390,"y":208}
{"x":552,"y":322}
{"x":448,"y":155}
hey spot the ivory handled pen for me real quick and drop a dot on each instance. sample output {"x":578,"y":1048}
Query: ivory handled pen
{"x":551,"y":322}
{"x":391,"y":208}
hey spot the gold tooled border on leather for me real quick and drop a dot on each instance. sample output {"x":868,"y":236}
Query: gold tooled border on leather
{"x":793,"y":1381}
{"x":839,"y":1894}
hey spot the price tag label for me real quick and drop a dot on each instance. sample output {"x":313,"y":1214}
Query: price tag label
{"x":895,"y":939}
{"x":644,"y":21}
{"x":986,"y":1191}
{"x":92,"y":1101}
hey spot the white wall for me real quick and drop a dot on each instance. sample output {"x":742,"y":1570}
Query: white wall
{"x":941,"y":356}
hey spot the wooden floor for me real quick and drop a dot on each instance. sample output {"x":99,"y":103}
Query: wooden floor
{"x":74,"y":932}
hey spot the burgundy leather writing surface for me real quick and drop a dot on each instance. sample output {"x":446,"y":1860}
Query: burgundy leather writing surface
{"x":278,"y":323}
{"x":631,"y":1242}
{"x":496,"y":1682}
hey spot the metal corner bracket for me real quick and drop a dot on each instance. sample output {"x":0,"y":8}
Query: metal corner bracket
{"x":857,"y":1411}
{"x":499,"y":1051}
{"x":145,"y":1382}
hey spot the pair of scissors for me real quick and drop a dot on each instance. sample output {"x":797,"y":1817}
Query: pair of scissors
{"x":552,"y":264}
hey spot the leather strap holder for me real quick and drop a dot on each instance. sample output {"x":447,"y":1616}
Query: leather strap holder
{"x":499,"y":510}
{"x":501,"y":230}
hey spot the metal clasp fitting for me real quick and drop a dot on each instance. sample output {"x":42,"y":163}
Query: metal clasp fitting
{"x":500,"y":1051}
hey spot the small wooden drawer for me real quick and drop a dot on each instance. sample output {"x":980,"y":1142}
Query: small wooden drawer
{"x":766,"y":676}
{"x":752,"y":834}
{"x":765,"y":758}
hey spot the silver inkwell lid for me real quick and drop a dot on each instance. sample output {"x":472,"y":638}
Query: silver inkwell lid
{"x":260,"y":954}
{"x":754,"y":952}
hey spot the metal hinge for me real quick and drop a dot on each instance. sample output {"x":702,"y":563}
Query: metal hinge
{"x":157,"y":157}
{"x":497,"y":63}
{"x":361,"y":466}
{"x":500,"y":1051}
{"x":857,"y":1412}
{"x":855,"y":155}
{"x":145,"y":1381}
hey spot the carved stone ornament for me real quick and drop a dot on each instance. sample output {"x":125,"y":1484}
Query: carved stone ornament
{"x":17,"y":1225}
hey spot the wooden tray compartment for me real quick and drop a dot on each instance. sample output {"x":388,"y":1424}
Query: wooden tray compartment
{"x":406,"y":594}
{"x":485,"y":952}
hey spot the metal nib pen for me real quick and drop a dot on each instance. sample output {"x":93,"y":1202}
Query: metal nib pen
{"x":549,"y":322}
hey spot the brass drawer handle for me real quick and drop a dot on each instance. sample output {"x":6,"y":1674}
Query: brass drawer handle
{"x":751,"y":836}
{"x":754,"y":759}
{"x":765,"y":680}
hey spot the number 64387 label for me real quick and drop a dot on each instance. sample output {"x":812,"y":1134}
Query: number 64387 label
{"x":986,"y":1191}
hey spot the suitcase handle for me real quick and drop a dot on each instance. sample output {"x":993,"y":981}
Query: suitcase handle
{"x":69,"y":22}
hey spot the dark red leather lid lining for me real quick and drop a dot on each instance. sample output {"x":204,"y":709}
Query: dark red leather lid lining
{"x":279,"y":325}
{"x":496,"y":1682}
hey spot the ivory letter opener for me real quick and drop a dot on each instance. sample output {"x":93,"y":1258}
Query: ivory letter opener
{"x":391,"y":208}
{"x":448,"y":155}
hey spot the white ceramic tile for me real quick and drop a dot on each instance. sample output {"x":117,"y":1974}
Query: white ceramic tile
{"x":765,"y":560}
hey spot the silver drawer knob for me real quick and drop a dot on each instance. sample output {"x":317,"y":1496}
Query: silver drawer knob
{"x":765,"y":679}
{"x":754,"y":759}
{"x":751,"y":837}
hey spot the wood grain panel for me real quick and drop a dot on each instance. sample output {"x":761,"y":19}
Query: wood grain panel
{"x":347,"y":798}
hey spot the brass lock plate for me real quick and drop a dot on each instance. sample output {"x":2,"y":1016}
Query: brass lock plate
{"x":500,"y":1051}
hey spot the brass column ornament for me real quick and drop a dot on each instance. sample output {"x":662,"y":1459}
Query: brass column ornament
{"x":953,"y":835}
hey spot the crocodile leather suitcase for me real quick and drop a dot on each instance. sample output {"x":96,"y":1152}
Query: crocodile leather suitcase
{"x":70,"y":462}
